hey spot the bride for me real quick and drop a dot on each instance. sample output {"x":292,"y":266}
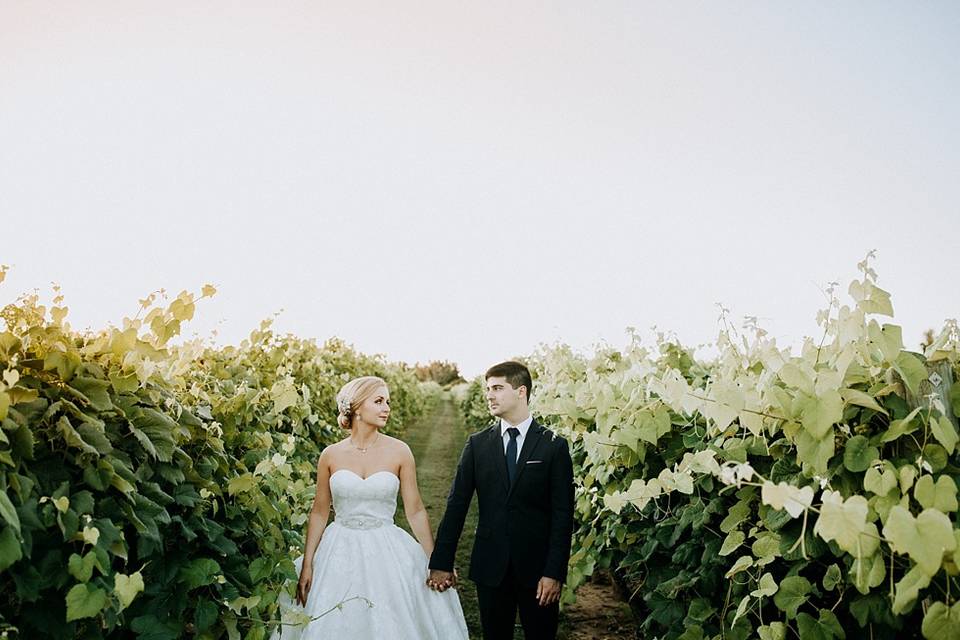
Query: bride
{"x":361,"y":561}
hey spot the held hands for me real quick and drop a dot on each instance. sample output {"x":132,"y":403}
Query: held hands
{"x":548,"y":591}
{"x":442,"y":580}
{"x":303,"y":586}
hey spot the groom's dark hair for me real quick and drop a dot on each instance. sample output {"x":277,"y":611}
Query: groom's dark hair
{"x":515,"y":373}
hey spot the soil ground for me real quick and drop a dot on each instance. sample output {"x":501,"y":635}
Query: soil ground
{"x":436,"y":440}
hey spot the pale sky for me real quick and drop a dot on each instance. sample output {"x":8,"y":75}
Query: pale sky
{"x":464,"y":180}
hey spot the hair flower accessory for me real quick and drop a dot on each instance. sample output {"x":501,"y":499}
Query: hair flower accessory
{"x":343,"y":404}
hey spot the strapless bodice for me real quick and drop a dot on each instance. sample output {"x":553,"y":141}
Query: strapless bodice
{"x":364,"y":503}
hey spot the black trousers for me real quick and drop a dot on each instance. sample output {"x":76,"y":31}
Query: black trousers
{"x":498,"y":611}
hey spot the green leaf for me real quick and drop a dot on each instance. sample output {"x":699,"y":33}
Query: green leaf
{"x":871,"y":298}
{"x":699,"y":611}
{"x":245,"y":482}
{"x":827,"y":626}
{"x":742,"y":564}
{"x":819,"y":413}
{"x":155,"y":431}
{"x":861,"y":399}
{"x":924,"y":538}
{"x":941,"y":496}
{"x":908,"y":589}
{"x":899,"y":428}
{"x":627,"y":435}
{"x":872,"y":608}
{"x":809,"y":629}
{"x":82,"y":568}
{"x":911,"y":369}
{"x":908,"y":473}
{"x":858,"y":454}
{"x":149,"y":627}
{"x":691,"y":632}
{"x":732,"y":542}
{"x":945,"y":434}
{"x":230,"y":624}
{"x":889,"y":339}
{"x":793,"y":593}
{"x":95,"y":437}
{"x":880,"y":482}
{"x":795,"y":377}
{"x":842,"y":520}
{"x":261,"y":568}
{"x":828,"y":621}
{"x":737,"y":514}
{"x":205,"y":614}
{"x":832,"y":577}
{"x":942,"y":622}
{"x":772,"y":631}
{"x":741,"y":608}
{"x":64,"y":363}
{"x":892,"y":338}
{"x":868,"y":572}
{"x":10,"y":550}
{"x":766,"y":587}
{"x":199,"y":572}
{"x":126,"y":587}
{"x":95,"y":391}
{"x":284,"y":395}
{"x":85,"y":601}
{"x":98,"y":475}
{"x":935,"y":456}
{"x":786,"y":496}
{"x":124,"y":384}
{"x":73,"y":438}
{"x":766,"y":547}
{"x":815,"y":453}
{"x":9,"y":513}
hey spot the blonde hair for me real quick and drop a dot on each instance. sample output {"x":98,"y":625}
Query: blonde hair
{"x":353,"y":394}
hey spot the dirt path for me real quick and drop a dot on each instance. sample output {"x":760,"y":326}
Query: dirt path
{"x":436,"y":441}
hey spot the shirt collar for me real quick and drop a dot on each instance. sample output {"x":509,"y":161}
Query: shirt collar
{"x":522,"y":427}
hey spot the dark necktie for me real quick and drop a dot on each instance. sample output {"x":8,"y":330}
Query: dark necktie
{"x":512,"y":453}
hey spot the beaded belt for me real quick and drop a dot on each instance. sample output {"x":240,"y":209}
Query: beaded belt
{"x":360,"y":522}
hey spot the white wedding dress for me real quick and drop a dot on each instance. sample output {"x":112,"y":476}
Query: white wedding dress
{"x":375,"y":568}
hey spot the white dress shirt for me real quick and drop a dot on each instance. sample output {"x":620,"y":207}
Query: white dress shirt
{"x":523,"y":427}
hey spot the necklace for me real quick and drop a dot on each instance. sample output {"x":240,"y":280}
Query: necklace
{"x":366,"y":448}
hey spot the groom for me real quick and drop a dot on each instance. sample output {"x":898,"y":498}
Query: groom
{"x":523,"y":478}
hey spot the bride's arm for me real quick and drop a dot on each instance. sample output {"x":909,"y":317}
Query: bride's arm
{"x":412,"y":503}
{"x":316,"y":523}
{"x":320,"y":512}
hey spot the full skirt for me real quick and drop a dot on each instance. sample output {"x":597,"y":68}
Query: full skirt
{"x":371,"y":583}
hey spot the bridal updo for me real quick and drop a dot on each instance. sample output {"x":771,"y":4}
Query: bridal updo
{"x":352,"y":395}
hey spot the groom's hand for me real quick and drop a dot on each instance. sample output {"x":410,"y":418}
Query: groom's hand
{"x":441,"y":580}
{"x":548,"y":591}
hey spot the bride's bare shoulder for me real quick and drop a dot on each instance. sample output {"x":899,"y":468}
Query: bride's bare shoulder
{"x":333,"y":450}
{"x":395,"y":444}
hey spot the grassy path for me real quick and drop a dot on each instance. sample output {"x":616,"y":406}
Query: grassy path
{"x":436,"y":441}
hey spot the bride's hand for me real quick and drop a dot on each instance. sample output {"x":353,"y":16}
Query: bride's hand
{"x":303,"y":586}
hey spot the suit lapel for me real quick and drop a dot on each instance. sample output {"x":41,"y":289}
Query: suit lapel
{"x":530,"y":442}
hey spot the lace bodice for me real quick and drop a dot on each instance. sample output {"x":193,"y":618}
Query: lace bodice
{"x":364,"y":503}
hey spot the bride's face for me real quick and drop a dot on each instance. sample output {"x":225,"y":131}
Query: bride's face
{"x":375,"y":410}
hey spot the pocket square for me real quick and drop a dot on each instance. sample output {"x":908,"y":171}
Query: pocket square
{"x":534,"y":461}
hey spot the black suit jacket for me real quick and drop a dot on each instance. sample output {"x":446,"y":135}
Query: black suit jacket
{"x":529,"y":524}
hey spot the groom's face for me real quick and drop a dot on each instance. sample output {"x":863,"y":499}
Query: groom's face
{"x":501,"y":397}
